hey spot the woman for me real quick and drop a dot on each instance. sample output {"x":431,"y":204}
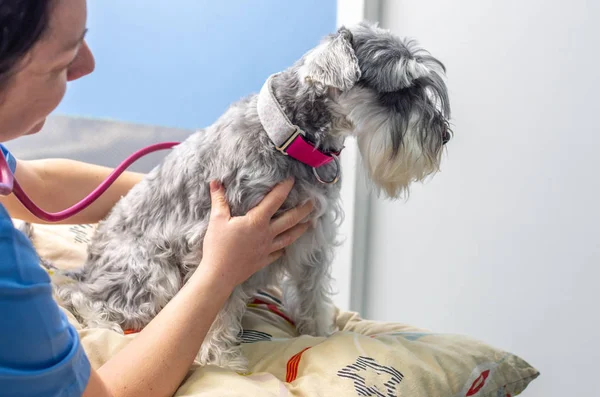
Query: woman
{"x":42,"y":47}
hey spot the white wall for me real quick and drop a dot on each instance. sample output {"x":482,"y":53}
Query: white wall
{"x":503,"y":245}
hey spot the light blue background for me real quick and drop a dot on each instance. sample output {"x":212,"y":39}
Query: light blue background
{"x":180,"y":63}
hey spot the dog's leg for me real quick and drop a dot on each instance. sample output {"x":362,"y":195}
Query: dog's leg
{"x":307,"y":298}
{"x":221,"y":346}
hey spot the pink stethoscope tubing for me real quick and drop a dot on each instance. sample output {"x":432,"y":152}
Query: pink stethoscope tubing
{"x":8,"y":184}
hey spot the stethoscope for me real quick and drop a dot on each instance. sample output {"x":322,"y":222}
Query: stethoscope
{"x":8,"y":185}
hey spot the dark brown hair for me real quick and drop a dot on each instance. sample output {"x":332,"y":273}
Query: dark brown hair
{"x":22,"y":24}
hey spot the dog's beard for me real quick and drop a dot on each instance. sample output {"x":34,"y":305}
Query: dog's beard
{"x":391,"y":166}
{"x":394,"y":171}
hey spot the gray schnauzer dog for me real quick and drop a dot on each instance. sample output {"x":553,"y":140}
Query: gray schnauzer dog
{"x":361,"y":81}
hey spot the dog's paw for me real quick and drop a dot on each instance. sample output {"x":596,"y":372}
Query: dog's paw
{"x":315,"y":328}
{"x":321,"y":324}
{"x":234,"y":361}
{"x":230,"y":358}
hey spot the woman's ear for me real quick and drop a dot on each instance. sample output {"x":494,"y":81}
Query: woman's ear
{"x":332,"y":64}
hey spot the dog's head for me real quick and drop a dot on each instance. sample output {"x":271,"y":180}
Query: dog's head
{"x":387,"y":92}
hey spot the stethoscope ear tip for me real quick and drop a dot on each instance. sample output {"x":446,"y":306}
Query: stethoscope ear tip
{"x":6,"y":177}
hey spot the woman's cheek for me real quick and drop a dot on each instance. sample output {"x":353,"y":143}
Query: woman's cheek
{"x":55,"y":93}
{"x":49,"y":95}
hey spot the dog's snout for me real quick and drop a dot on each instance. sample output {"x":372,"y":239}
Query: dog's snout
{"x":445,"y":136}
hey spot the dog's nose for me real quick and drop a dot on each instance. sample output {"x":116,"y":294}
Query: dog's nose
{"x":445,"y":136}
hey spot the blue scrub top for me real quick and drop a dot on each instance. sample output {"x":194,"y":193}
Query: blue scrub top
{"x":40,"y":352}
{"x":10,"y":159}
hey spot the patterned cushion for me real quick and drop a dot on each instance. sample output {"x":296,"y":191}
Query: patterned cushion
{"x":364,"y":358}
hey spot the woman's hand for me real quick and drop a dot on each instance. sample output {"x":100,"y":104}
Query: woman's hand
{"x":237,"y":247}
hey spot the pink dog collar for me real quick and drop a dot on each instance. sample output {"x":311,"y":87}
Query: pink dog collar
{"x":289,"y":139}
{"x":304,"y":151}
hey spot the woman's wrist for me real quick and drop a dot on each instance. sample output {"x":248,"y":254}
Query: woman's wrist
{"x":206,"y":278}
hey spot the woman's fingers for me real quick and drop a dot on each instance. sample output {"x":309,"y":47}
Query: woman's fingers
{"x":273,"y":200}
{"x":291,"y":218}
{"x":219,"y":206}
{"x":273,"y":256}
{"x":288,"y":237}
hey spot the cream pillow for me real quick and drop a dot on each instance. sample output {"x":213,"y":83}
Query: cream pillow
{"x":366,"y":358}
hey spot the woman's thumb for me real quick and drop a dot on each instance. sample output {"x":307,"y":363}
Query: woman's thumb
{"x":219,"y":206}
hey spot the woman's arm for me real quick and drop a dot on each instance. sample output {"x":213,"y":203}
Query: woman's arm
{"x":57,"y":184}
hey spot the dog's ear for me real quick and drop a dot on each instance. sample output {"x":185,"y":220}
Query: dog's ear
{"x":332,"y":64}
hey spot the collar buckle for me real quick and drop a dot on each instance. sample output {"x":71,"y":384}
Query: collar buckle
{"x":289,"y":141}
